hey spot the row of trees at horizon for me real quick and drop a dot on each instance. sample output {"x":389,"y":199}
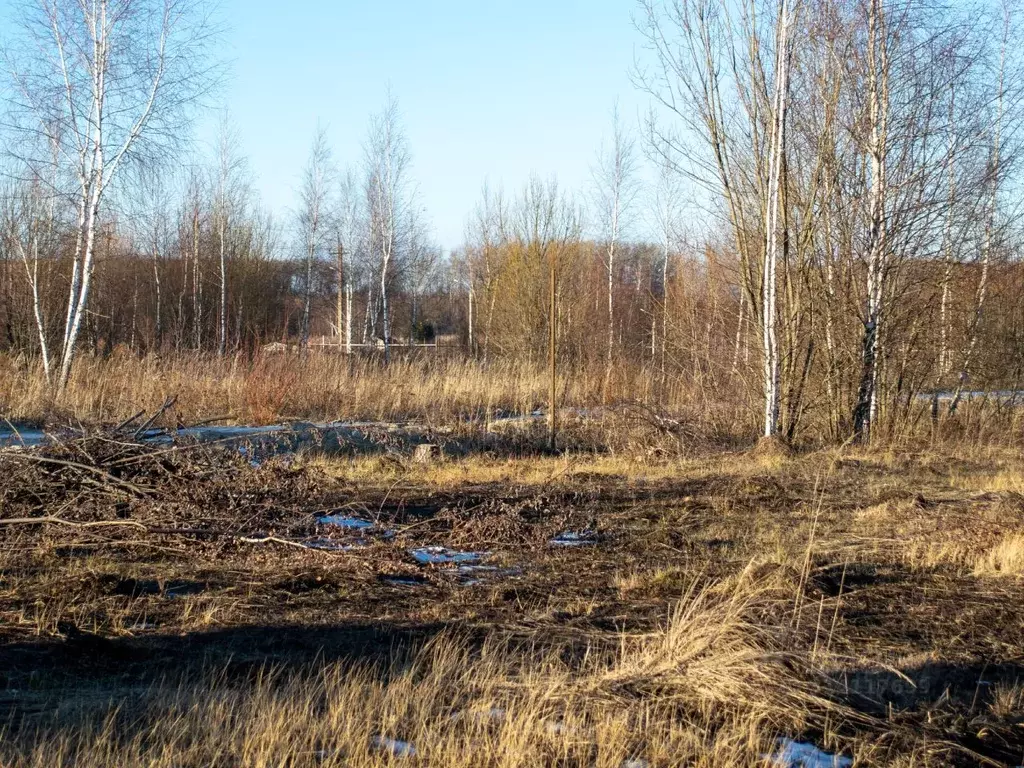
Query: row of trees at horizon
{"x":830,"y":212}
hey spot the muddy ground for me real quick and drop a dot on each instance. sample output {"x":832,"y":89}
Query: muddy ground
{"x":122,"y":564}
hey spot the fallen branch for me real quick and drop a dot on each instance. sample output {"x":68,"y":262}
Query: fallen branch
{"x":277,"y":540}
{"x":168,"y":403}
{"x":128,"y":421}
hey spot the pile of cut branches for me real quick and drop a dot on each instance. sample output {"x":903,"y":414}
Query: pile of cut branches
{"x":109,"y":480}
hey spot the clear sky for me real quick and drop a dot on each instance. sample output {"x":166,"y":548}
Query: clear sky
{"x":488,"y":89}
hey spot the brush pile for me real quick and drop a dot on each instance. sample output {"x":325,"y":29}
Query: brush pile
{"x":108,"y":480}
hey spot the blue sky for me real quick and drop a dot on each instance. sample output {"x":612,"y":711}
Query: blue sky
{"x":489,"y":90}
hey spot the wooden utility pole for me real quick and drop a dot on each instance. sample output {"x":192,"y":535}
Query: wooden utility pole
{"x":552,"y":355}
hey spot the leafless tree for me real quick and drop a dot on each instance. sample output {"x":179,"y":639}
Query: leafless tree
{"x":27,"y":229}
{"x":111,"y":83}
{"x":230,"y":190}
{"x":314,"y":217}
{"x":615,"y":191}
{"x":388,"y":195}
{"x":349,"y":221}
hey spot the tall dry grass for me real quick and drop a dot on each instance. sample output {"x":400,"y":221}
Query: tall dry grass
{"x":437,"y":389}
{"x":322,"y":387}
{"x":713,"y":687}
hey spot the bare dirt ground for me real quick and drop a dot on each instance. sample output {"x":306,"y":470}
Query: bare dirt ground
{"x":887,"y":583}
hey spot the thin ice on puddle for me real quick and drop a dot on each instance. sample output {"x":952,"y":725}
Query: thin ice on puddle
{"x":396,"y":747}
{"x":574,"y":539}
{"x":435,"y":555}
{"x":796,"y":754}
{"x":344,"y":521}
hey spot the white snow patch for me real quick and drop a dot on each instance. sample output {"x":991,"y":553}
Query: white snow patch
{"x":796,"y":754}
{"x":394,"y":746}
{"x":434,"y":555}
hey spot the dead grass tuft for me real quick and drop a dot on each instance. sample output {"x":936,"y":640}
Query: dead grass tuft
{"x":1004,"y":559}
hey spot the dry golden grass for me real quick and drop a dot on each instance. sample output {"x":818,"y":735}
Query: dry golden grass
{"x":1007,"y":700}
{"x":712,"y":687}
{"x":1004,"y":559}
{"x":270,"y":388}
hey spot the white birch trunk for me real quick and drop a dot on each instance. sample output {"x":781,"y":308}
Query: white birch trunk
{"x":772,"y":227}
{"x":867,"y":398}
{"x":222,"y":326}
{"x":348,"y":317}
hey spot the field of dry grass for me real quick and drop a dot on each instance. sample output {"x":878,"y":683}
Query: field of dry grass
{"x":183,"y":607}
{"x":321,"y":387}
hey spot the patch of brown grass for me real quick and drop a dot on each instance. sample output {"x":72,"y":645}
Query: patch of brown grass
{"x":709,"y":688}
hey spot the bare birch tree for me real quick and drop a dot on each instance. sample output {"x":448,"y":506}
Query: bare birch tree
{"x":388,"y":196}
{"x":615,"y":193}
{"x":314,"y":217}
{"x":877,"y":151}
{"x":28,"y":229}
{"x":111,"y":83}
{"x":230,"y":187}
{"x":666,"y":208}
{"x":349,"y":217}
{"x":773,"y":225}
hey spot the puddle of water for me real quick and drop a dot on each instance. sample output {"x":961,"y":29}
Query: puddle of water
{"x":257,"y":441}
{"x":574,"y":539}
{"x":19,"y":437}
{"x":345,"y":521}
{"x":797,"y":754}
{"x":436,"y":555}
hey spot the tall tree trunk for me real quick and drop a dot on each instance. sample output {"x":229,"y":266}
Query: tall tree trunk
{"x":878,"y":76}
{"x":158,"y":329}
{"x":197,"y":284}
{"x":348,"y":318}
{"x":772,"y":227}
{"x":339,"y":299}
{"x":222,"y":331}
{"x":385,"y":319}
